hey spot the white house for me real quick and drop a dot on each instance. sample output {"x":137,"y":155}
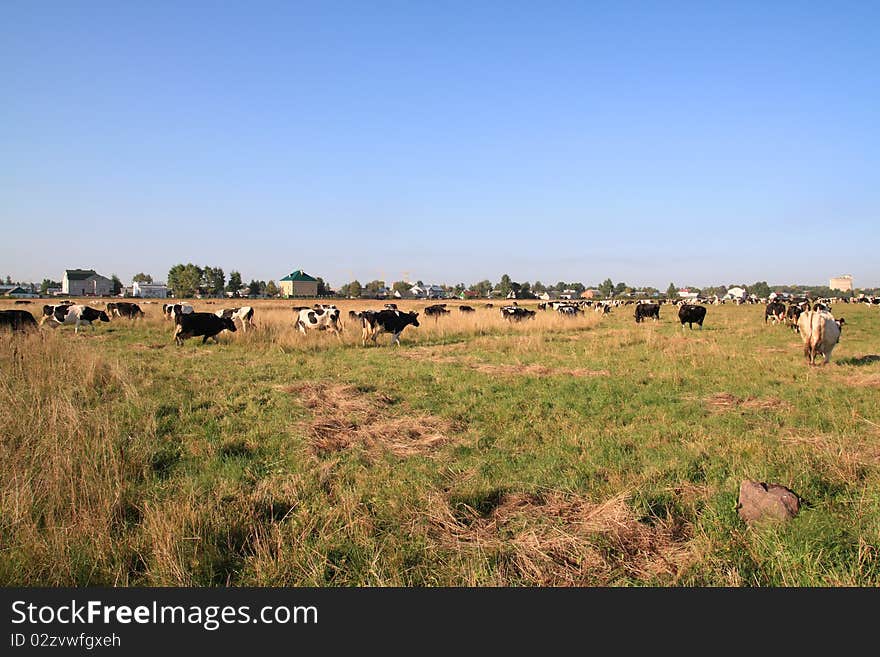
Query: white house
{"x":736,"y":293}
{"x":427,"y":291}
{"x":149,"y":290}
{"x":85,"y":282}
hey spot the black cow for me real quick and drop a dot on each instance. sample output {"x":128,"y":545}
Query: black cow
{"x":689,"y":314}
{"x":466,"y":309}
{"x":775,"y":311}
{"x":17,"y":320}
{"x":208,"y":325}
{"x":385,"y":321}
{"x":516,"y":314}
{"x":436,"y":310}
{"x":124,"y":309}
{"x":646,"y":310}
{"x":391,"y":306}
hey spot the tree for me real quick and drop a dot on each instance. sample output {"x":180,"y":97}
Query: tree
{"x":483,"y":288}
{"x":400,"y":286}
{"x":606,"y":288}
{"x":620,"y":288}
{"x":271,"y":289}
{"x":504,"y":286}
{"x":760,"y":289}
{"x":214,"y":280}
{"x":234,"y":284}
{"x":185,"y":279}
{"x":117,"y":285}
{"x":374,"y":286}
{"x":142,"y":278}
{"x":8,"y":279}
{"x":352,"y":289}
{"x":323,"y":289}
{"x":672,"y":291}
{"x":46,"y":284}
{"x":538,"y":287}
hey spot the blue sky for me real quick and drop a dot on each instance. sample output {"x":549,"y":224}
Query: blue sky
{"x":453,"y":141}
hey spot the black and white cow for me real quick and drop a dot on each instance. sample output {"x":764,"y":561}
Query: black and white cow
{"x":690,"y":314}
{"x":568,"y":311}
{"x":17,"y":320}
{"x":208,"y":325}
{"x":774,"y":311}
{"x":385,"y":321}
{"x":245,"y":315}
{"x":320,"y":317}
{"x":172,"y":310}
{"x":124,"y":309}
{"x":516,"y":314}
{"x":646,"y":310}
{"x":76,"y":314}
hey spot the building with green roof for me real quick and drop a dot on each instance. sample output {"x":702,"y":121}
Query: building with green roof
{"x":299,"y":284}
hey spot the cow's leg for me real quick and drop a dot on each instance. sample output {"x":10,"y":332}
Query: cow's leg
{"x":396,"y":339}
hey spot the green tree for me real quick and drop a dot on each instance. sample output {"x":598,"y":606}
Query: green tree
{"x":234,"y":284}
{"x":323,"y":289}
{"x":271,"y":289}
{"x":142,"y":278}
{"x":672,"y":291}
{"x":400,"y":286}
{"x":46,"y":284}
{"x":185,"y":279}
{"x":760,"y":289}
{"x":504,"y":286}
{"x":8,"y":279}
{"x":352,"y":289}
{"x":606,"y":288}
{"x":538,"y":287}
{"x":116,"y":289}
{"x":483,"y":288}
{"x":373,"y":287}
{"x":213,"y":280}
{"x":619,"y":289}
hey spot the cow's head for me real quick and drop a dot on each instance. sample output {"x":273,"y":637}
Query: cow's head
{"x":840,"y":322}
{"x":414,"y":319}
{"x":228,"y":324}
{"x":103,"y":316}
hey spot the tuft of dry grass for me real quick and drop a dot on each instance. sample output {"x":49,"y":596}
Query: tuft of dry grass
{"x":343,"y":416}
{"x":562,"y":539}
{"x":724,"y":401}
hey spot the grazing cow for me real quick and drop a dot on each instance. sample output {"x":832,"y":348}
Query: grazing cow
{"x":17,"y":320}
{"x":391,"y":306}
{"x":436,"y":310}
{"x":820,"y":333}
{"x":319,"y":317}
{"x":466,"y":309}
{"x":602,"y":308}
{"x":775,"y":311}
{"x":516,"y":314}
{"x":689,"y":313}
{"x":568,"y":311}
{"x":124,"y":309}
{"x":76,"y":314}
{"x":385,"y":321}
{"x":245,"y":315}
{"x":208,"y":325}
{"x":172,"y":310}
{"x":646,"y":310}
{"x":490,"y":305}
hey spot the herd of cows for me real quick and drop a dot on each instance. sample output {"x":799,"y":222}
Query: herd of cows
{"x":818,"y":328}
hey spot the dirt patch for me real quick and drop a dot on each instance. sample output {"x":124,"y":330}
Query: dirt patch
{"x":343,"y":415}
{"x":557,"y":539}
{"x":724,"y":401}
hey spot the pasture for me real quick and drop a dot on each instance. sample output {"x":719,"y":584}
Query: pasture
{"x":587,"y":451}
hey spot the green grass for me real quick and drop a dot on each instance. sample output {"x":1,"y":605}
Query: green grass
{"x":129,"y":461}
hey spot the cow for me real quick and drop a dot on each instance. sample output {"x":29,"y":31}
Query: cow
{"x":774,"y":311}
{"x":466,"y":309}
{"x":17,"y":320}
{"x":21,"y":302}
{"x":49,"y":310}
{"x":385,"y":321}
{"x":792,"y":314}
{"x":516,"y":314}
{"x":124,"y":309}
{"x":208,"y":325}
{"x":76,"y":314}
{"x":689,"y":314}
{"x":390,"y":306}
{"x":172,"y":310}
{"x":568,"y":311}
{"x":646,"y":310}
{"x":436,"y":310}
{"x":820,"y":333}
{"x":319,"y":317}
{"x":245,"y":315}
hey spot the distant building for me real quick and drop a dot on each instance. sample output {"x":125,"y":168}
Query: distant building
{"x":299,"y":284}
{"x":843,"y":283}
{"x":589,"y":294}
{"x":85,"y":283}
{"x":149,"y":290}
{"x":15,"y":291}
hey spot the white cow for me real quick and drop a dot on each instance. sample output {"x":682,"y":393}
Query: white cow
{"x":820,"y":333}
{"x":245,"y":315}
{"x":319,"y":317}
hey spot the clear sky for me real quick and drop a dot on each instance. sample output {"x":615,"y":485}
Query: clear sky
{"x":699,"y":143}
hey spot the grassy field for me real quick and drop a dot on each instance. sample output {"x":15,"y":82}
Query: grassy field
{"x":589,"y":451}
